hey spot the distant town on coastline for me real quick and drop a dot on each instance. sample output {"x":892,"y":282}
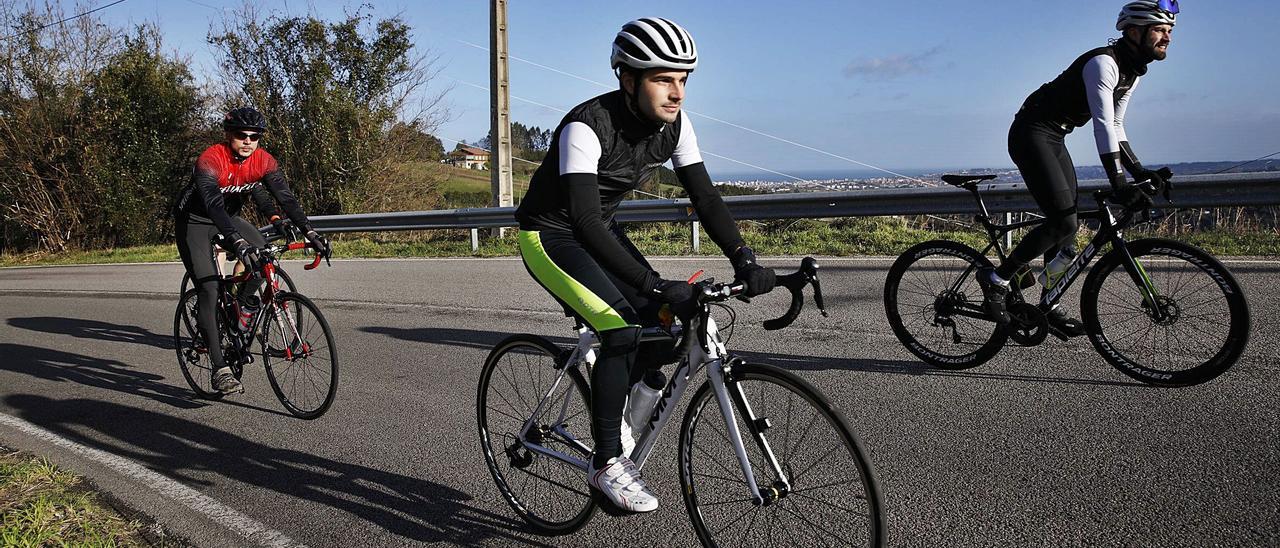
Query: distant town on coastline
{"x":864,"y":179}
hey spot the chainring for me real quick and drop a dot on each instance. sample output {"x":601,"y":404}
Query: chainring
{"x":1029,"y":326}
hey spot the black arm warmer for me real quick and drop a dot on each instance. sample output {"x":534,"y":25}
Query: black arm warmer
{"x":207,"y":187}
{"x":1111,"y":164}
{"x":712,"y":212}
{"x":1129,"y":159}
{"x":265,"y":204}
{"x":274,"y":181}
{"x":589,"y":228}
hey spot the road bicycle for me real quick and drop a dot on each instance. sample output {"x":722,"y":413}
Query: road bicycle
{"x":295,"y":342}
{"x":1161,"y":311}
{"x":764,"y":457}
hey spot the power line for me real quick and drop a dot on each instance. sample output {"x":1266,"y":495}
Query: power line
{"x":1249,"y":162}
{"x":704,"y":151}
{"x":40,"y":28}
{"x":725,"y":122}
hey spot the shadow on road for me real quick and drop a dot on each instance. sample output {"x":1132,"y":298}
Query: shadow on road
{"x":470,"y":338}
{"x":413,"y":508}
{"x":901,"y":367}
{"x":59,"y":366}
{"x":94,"y":329}
{"x":467,"y":338}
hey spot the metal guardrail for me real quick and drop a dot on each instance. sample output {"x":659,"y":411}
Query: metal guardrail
{"x":1189,"y":191}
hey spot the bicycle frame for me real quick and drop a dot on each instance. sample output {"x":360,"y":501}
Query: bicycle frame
{"x":268,"y":295}
{"x":709,"y":353}
{"x":1110,"y":230}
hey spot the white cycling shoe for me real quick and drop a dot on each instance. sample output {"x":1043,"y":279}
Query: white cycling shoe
{"x":620,"y":482}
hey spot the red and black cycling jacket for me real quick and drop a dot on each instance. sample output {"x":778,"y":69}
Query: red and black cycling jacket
{"x":221,"y":180}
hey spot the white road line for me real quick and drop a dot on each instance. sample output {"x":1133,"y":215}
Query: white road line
{"x":219,"y":513}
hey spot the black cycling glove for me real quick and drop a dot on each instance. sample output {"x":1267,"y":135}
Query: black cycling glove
{"x":672,"y":291}
{"x":248,"y":254}
{"x":319,"y":243}
{"x":759,"y":280}
{"x":282,"y":226}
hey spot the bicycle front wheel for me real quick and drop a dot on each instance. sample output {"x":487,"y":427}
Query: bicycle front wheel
{"x":299,"y":355}
{"x":525,"y":420}
{"x":1197,"y":327}
{"x":935,"y":306}
{"x":827,"y":494}
{"x":193,"y":353}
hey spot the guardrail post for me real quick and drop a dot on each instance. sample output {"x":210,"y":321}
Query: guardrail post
{"x":696,"y":239}
{"x":1008,"y":236}
{"x":475,"y":240}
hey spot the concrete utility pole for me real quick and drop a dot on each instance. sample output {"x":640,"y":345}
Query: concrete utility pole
{"x":500,"y":109}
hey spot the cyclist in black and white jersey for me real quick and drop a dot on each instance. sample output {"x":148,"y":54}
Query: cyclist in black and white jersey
{"x":602,"y":149}
{"x":1096,"y":87}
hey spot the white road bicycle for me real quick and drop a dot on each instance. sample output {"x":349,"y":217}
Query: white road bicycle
{"x":764,"y":457}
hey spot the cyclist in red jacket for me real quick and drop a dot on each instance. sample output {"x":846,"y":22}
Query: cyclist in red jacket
{"x":207,"y":211}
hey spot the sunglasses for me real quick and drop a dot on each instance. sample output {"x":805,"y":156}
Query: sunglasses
{"x":246,"y":136}
{"x":1168,"y":6}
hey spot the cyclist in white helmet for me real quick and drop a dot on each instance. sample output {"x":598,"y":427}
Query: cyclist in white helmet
{"x":1096,"y":87}
{"x":603,"y":149}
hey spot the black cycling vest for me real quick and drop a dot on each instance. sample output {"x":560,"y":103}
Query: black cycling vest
{"x":1063,"y":102}
{"x":631,"y":150}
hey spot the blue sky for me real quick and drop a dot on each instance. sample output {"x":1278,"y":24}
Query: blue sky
{"x":902,"y":85}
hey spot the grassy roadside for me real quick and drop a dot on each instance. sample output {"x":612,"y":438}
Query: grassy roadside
{"x":41,"y":505}
{"x":873,"y":236}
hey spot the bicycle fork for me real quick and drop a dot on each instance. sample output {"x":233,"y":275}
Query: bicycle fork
{"x":716,"y":371}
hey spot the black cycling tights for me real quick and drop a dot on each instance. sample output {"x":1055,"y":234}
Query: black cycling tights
{"x":195,"y":246}
{"x":1041,"y":155}
{"x":615,"y":369}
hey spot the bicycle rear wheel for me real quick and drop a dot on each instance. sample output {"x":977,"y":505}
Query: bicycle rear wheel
{"x":934,"y":305}
{"x":831,"y":497}
{"x":547,"y":492}
{"x":1205,"y":323}
{"x":299,"y":355}
{"x":193,"y":354}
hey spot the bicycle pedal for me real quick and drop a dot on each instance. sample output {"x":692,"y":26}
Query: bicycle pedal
{"x":1055,"y":332}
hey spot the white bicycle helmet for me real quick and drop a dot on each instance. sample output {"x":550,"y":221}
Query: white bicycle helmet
{"x":654,"y":42}
{"x":1147,"y":12}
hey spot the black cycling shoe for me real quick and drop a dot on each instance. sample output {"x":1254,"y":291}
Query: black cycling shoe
{"x":1059,"y":321}
{"x":994,"y":296}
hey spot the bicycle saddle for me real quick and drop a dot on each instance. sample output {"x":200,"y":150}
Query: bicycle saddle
{"x":965,"y":181}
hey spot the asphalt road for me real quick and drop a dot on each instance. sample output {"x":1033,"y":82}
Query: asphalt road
{"x":1041,"y":446}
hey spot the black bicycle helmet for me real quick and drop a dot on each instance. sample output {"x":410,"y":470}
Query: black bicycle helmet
{"x":244,"y":118}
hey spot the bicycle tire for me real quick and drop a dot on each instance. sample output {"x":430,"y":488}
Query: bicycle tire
{"x":927,"y":316}
{"x":304,"y":376}
{"x":551,"y":495}
{"x":715,"y":495}
{"x":194,"y":363}
{"x":1185,"y":278}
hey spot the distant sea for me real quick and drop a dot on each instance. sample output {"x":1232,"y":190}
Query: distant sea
{"x":1083,"y":172}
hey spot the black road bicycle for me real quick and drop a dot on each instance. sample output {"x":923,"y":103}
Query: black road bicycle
{"x":295,"y":342}
{"x":765,"y":459}
{"x":1161,"y":311}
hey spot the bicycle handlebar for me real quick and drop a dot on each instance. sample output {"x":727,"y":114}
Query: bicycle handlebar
{"x":794,"y":282}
